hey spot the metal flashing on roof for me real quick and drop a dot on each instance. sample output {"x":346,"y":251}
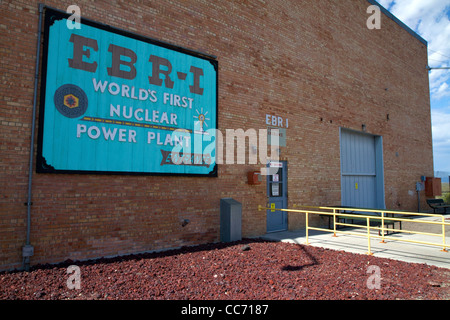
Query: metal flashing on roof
{"x":399,"y":22}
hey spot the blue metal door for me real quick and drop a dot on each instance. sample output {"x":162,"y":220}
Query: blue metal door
{"x":277,"y":194}
{"x":361,"y":170}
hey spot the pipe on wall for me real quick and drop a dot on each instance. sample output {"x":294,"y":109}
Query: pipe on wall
{"x":28,"y":250}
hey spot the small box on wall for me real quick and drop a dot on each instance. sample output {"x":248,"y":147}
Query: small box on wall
{"x":254,"y":177}
{"x":433,"y":187}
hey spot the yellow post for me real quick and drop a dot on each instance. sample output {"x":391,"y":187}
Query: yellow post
{"x":334,"y":223}
{"x":307,"y":226}
{"x":368,"y":236}
{"x":382,"y":228}
{"x":443,"y":235}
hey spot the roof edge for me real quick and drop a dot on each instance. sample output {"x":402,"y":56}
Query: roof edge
{"x":399,"y":22}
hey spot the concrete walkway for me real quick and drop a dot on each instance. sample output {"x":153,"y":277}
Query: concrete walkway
{"x":393,"y":249}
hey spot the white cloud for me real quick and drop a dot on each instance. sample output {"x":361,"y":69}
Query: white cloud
{"x":439,"y":78}
{"x":441,"y":126}
{"x":441,"y":92}
{"x":419,"y":14}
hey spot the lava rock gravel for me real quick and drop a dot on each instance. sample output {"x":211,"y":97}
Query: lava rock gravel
{"x":246,"y":270}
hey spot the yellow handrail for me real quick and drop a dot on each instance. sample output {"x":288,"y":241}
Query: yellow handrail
{"x":371,"y":210}
{"x":382,"y":217}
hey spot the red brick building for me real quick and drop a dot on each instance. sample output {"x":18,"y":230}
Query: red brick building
{"x":313,"y":63}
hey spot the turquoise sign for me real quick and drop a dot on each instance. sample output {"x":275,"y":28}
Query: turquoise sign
{"x":116,"y":102}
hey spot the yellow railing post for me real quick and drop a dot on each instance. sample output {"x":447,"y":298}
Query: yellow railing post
{"x":334,"y":223}
{"x":382,"y":228}
{"x":443,"y":235}
{"x":307,"y":228}
{"x":368,"y":236}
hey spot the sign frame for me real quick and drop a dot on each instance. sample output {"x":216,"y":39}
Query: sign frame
{"x":42,"y":166}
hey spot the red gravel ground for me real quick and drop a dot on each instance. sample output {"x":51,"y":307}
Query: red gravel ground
{"x":246,"y":270}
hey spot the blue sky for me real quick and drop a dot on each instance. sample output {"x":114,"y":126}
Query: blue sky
{"x":431,"y":20}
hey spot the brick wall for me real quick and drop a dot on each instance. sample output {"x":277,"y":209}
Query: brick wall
{"x":313,"y":62}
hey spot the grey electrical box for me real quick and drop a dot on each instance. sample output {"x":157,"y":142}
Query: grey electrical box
{"x":420,"y":186}
{"x":27,"y":251}
{"x":230,"y":220}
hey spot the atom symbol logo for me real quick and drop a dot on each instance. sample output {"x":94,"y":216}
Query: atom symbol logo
{"x":70,"y":101}
{"x":201,"y":118}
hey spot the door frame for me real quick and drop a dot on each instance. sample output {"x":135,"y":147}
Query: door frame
{"x":280,"y":201}
{"x":379,"y":166}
